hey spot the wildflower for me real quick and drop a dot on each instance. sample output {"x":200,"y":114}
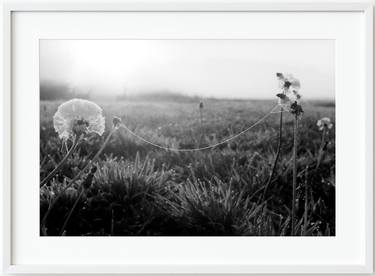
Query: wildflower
{"x":78,"y":116}
{"x":289,"y":98}
{"x":324,"y":124}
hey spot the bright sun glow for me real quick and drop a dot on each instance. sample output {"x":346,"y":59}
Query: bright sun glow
{"x":218,"y":68}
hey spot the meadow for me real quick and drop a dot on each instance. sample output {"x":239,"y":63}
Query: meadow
{"x":142,"y":190}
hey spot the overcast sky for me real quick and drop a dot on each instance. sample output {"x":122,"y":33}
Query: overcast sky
{"x":217,"y":68}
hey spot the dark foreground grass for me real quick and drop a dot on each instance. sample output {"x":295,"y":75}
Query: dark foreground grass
{"x":141,"y":190}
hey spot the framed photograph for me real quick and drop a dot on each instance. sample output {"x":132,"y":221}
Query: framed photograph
{"x":181,"y":137}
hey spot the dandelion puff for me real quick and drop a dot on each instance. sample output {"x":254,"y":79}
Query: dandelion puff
{"x":283,"y":101}
{"x":288,"y":82}
{"x":324,"y":124}
{"x":78,"y":116}
{"x":289,"y":96}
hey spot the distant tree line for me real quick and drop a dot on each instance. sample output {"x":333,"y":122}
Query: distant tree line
{"x":158,"y":96}
{"x":50,"y":91}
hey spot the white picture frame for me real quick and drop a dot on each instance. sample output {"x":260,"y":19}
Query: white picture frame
{"x":9,"y":267}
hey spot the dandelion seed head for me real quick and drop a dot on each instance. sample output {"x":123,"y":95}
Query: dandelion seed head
{"x":324,"y":124}
{"x":78,"y":116}
{"x":289,"y":96}
{"x":288,"y":82}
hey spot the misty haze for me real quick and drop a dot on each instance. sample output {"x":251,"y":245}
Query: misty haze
{"x":240,"y":69}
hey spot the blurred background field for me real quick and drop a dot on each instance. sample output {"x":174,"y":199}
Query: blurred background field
{"x":143,"y":190}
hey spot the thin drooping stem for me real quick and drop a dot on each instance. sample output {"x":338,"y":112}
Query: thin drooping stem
{"x":62,"y":162}
{"x":295,"y":144}
{"x":71,"y":212}
{"x":77,"y":176}
{"x":321,"y":149}
{"x":276,"y":157}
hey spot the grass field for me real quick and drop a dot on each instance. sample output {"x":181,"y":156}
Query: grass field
{"x":139,"y":189}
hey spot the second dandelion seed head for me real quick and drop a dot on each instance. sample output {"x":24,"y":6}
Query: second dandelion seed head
{"x":289,"y":96}
{"x":324,"y":124}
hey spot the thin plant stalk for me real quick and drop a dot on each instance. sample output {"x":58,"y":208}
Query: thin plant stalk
{"x":62,"y":162}
{"x":201,"y":120}
{"x":295,"y":137}
{"x":84,"y":186}
{"x":77,"y":176}
{"x":276,"y":157}
{"x":112,"y":222}
{"x":321,"y":148}
{"x":201,"y":117}
{"x":71,"y":212}
{"x":305,"y":215}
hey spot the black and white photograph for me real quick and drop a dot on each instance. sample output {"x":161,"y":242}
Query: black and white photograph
{"x":187,"y":137}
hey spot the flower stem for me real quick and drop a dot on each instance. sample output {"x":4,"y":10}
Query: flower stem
{"x":112,"y":222}
{"x":71,"y":212}
{"x":62,"y":162}
{"x":295,"y":137}
{"x":321,"y":149}
{"x":77,"y":176}
{"x":276,"y":158}
{"x":305,"y":225}
{"x":201,"y":123}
